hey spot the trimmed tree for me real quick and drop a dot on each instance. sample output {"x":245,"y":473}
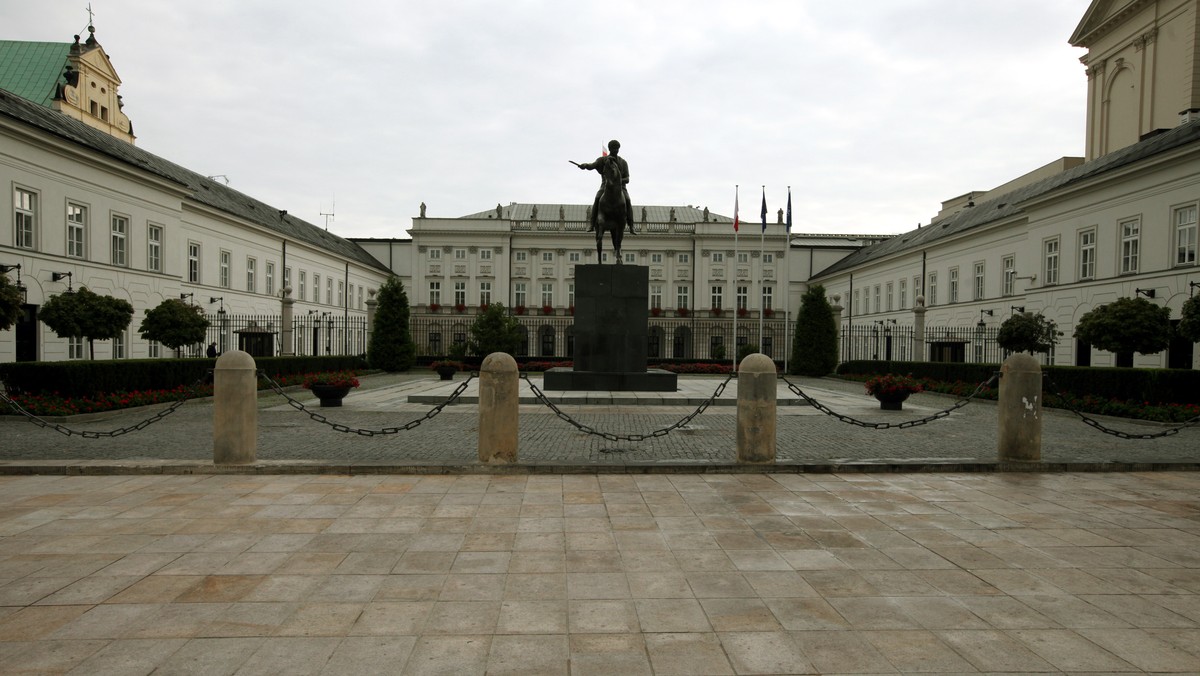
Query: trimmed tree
{"x":1028,"y":332}
{"x":391,"y":347}
{"x":10,"y":303}
{"x":1126,"y":325}
{"x":494,"y":330}
{"x":84,"y":314}
{"x":814,"y":348}
{"x":174,"y":323}
{"x":1189,"y":322}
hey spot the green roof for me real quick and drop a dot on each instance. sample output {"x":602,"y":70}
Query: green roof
{"x":32,"y":70}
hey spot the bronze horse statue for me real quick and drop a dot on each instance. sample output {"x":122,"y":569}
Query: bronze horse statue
{"x":610,"y":213}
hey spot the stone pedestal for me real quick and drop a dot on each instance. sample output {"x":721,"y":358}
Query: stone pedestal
{"x":235,"y":409}
{"x":611,"y":329}
{"x":756,"y":414}
{"x":498,"y":400}
{"x":1020,"y":409}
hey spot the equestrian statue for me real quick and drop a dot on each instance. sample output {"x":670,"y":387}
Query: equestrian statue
{"x":611,"y":211}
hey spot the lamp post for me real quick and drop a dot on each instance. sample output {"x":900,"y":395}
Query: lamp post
{"x":59,"y":276}
{"x":1017,"y":308}
{"x":1149,"y":293}
{"x":187,"y":297}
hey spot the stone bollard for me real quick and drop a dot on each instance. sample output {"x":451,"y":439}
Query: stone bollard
{"x":756,"y":409}
{"x":498,"y":401}
{"x":1020,"y":409}
{"x":235,"y":409}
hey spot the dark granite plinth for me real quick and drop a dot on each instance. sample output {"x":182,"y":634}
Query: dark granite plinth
{"x":611,"y":318}
{"x":650,"y":380}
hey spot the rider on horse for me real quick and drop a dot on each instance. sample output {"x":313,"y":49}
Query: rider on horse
{"x":614,"y":147}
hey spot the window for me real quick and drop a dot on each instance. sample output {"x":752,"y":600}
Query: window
{"x":435,"y":254}
{"x":1008,"y":283}
{"x":630,"y":258}
{"x":460,"y":293}
{"x":681,"y":296}
{"x":547,"y":294}
{"x":656,"y":258}
{"x":520,"y":294}
{"x":979,"y":269}
{"x":153,"y":349}
{"x":341,"y":298}
{"x":931,"y":299}
{"x":1185,"y":235}
{"x":742,"y":297}
{"x":460,"y":254}
{"x":435,"y":293}
{"x":573,"y":257}
{"x":223,"y":269}
{"x":547,"y":256}
{"x":76,"y":230}
{"x":316,"y":288}
{"x":24,"y":218}
{"x":768,"y":294}
{"x":683,"y":258}
{"x":360,"y":297}
{"x":953,"y":285}
{"x":856,"y":307}
{"x":193,"y":262}
{"x":349,"y":295}
{"x":251,"y":270}
{"x":571,"y":294}
{"x":270,"y":275}
{"x":656,"y":292}
{"x":888,"y":296}
{"x":118,"y":346}
{"x":120,"y":235}
{"x":916,"y":288}
{"x":329,"y":290}
{"x":303,"y":286}
{"x":75,"y":347}
{"x":154,"y":248}
{"x":877,"y":306}
{"x":1050,"y":261}
{"x":1087,"y":254}
{"x":743,"y":257}
{"x":718,"y":257}
{"x":768,"y":258}
{"x":287,"y":276}
{"x":522,"y":256}
{"x":485,"y":254}
{"x":903,"y":294}
{"x":1130,"y":245}
{"x":716,"y":295}
{"x":485,"y":293}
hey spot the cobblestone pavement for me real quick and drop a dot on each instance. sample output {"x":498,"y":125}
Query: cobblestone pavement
{"x":609,"y":574}
{"x":804,"y":434}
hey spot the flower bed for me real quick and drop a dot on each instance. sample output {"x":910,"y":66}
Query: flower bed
{"x":55,"y":404}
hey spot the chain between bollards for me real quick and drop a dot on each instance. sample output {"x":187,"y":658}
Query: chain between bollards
{"x":610,"y":436}
{"x":1092,"y":422}
{"x":884,"y":426}
{"x":338,"y":427}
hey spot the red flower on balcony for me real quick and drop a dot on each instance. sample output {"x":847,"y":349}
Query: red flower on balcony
{"x":655,"y":311}
{"x":742,"y":312}
{"x":460,"y":308}
{"x":768,"y":313}
{"x":434,"y":307}
{"x":520,"y":309}
{"x":547,"y":310}
{"x":571,"y":310}
{"x":682,"y":312}
{"x":716,"y":312}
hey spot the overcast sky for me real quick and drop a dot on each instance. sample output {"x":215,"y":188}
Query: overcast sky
{"x":873,"y":111}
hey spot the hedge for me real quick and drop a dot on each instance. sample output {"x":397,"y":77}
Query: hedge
{"x":1159,"y":386}
{"x":87,"y":378}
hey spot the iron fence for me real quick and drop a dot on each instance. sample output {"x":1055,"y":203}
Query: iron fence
{"x":260,"y":335}
{"x":553,"y":336}
{"x":890,"y":342}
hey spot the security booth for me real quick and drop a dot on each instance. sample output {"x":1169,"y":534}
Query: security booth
{"x":257,"y":341}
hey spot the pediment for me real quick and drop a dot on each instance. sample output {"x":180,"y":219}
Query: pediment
{"x":97,"y":60}
{"x":1102,"y":17}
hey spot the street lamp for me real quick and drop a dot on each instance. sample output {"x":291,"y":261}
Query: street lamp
{"x":22,"y":291}
{"x":59,"y":276}
{"x":1149,"y":293}
{"x":990,"y":313}
{"x":1191,"y":287}
{"x":218,"y":299}
{"x":1017,"y":308}
{"x":186,"y":296}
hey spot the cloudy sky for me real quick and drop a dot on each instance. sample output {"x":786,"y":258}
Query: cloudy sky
{"x":873,"y":111}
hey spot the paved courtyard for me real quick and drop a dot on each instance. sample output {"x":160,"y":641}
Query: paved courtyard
{"x":609,"y":574}
{"x":805,"y":436}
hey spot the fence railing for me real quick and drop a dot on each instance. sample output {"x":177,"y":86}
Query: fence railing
{"x":889,"y":342}
{"x":261,"y":335}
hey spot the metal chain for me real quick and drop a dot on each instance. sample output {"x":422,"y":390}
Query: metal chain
{"x":1054,"y":391}
{"x":338,"y":427}
{"x":63,"y":429}
{"x":587,"y":429}
{"x":885,"y":426}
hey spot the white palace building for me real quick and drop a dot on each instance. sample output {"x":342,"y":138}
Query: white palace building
{"x":1066,"y":238}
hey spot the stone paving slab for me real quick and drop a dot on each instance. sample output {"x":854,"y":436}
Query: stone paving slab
{"x":610,"y":574}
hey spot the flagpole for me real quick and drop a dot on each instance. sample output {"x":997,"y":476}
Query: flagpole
{"x":787,"y":306}
{"x":735,"y":250}
{"x":761,"y":236}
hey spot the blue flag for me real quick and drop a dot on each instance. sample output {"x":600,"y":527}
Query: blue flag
{"x":764,"y":210}
{"x":789,"y":210}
